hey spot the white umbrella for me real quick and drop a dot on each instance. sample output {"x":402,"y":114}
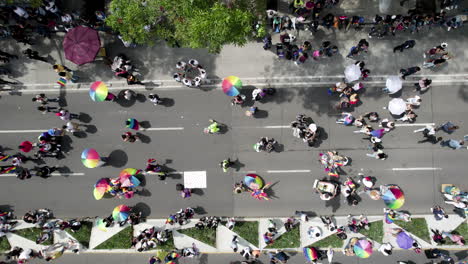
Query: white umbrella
{"x":352,"y":72}
{"x":397,"y":106}
{"x":394,"y":84}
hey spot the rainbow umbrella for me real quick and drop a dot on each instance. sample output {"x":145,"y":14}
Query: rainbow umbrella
{"x":121,"y":213}
{"x":363,"y":248}
{"x":101,"y":225}
{"x":231,"y":85}
{"x":132,"y":123}
{"x":388,"y":218}
{"x":394,"y":198}
{"x":98,"y":91}
{"x":310,"y":254}
{"x":404,"y":241}
{"x":128,"y":177}
{"x":90,"y":158}
{"x":253,"y":181}
{"x":101,"y":187}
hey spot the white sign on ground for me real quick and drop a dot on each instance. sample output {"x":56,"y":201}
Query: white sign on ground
{"x":195,"y":179}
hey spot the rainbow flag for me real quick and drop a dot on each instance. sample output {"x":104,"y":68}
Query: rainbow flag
{"x":62,"y":81}
{"x":4,"y":158}
{"x":9,"y":169}
{"x":333,"y":173}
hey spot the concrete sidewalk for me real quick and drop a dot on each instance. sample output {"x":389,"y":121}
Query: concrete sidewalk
{"x":224,"y":235}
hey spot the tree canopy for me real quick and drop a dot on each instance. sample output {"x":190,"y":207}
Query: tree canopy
{"x":192,"y":23}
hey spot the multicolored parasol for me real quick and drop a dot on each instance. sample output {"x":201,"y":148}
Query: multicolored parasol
{"x":404,"y":241}
{"x":231,"y":85}
{"x":90,"y":158}
{"x":132,"y":123}
{"x":128,"y":177}
{"x":363,"y":248}
{"x":101,"y":225}
{"x":121,"y":213}
{"x":388,"y":218}
{"x":310,"y":254}
{"x":253,"y":181}
{"x":26,"y":146}
{"x":394,"y":198}
{"x":98,"y":91}
{"x":101,"y":187}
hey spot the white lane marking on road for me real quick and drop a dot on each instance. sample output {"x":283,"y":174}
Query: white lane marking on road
{"x":416,"y":169}
{"x":276,"y":126}
{"x":414,"y":124}
{"x":172,"y":172}
{"x":287,"y":171}
{"x":53,"y":174}
{"x":163,"y":128}
{"x":23,"y":131}
{"x":243,"y":172}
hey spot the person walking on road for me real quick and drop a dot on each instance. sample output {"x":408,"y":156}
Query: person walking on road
{"x":43,"y":99}
{"x":378,"y":154}
{"x":453,"y":144}
{"x":72,"y":127}
{"x":406,"y":45}
{"x":65,"y":115}
{"x":448,"y":127}
{"x":34,"y":55}
{"x":422,"y":85}
{"x":409,"y":71}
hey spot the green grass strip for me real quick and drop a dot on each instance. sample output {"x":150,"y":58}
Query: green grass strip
{"x":207,"y":235}
{"x":121,"y":240}
{"x":83,"y":235}
{"x":375,"y":231}
{"x":462,"y":230}
{"x":291,"y":239}
{"x":4,"y":244}
{"x":332,"y":241}
{"x":417,"y":227}
{"x":33,"y":234}
{"x":248,"y":230}
{"x":168,"y":245}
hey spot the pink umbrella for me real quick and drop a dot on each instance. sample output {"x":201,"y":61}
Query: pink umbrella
{"x":81,"y":45}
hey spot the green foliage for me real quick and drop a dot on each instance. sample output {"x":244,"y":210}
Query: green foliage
{"x":121,"y":240}
{"x":33,"y":234}
{"x":31,"y":3}
{"x":291,"y":239}
{"x":207,"y":235}
{"x":332,"y":241}
{"x":215,"y":27}
{"x":417,"y":227}
{"x":375,"y":231}
{"x":248,"y":230}
{"x":192,"y":23}
{"x":83,"y":235}
{"x":4,"y":244}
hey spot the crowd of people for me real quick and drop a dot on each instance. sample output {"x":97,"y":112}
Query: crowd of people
{"x":21,"y":23}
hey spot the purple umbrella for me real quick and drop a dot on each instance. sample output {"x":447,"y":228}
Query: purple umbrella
{"x":81,"y":45}
{"x":404,"y":241}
